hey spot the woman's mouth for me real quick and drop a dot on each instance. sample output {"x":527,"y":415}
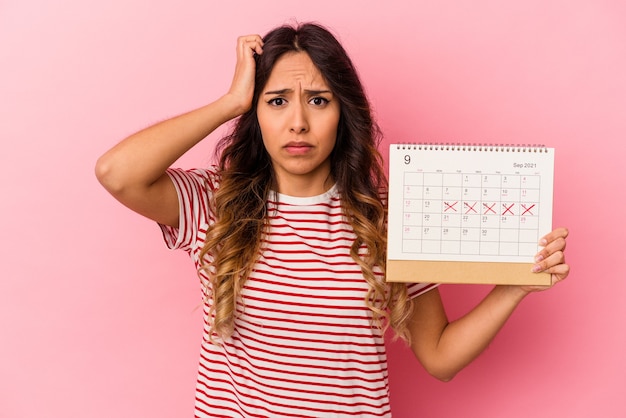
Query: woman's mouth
{"x":298,"y":148}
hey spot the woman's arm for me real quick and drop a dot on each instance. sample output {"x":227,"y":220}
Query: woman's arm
{"x":133,"y":171}
{"x":444,"y":348}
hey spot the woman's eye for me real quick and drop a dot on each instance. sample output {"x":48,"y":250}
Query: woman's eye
{"x":319,"y":101}
{"x":277,"y":101}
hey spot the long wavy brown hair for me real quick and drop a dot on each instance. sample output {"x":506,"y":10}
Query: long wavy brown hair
{"x":233,"y":242}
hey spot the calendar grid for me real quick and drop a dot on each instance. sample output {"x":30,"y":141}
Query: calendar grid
{"x":490,"y":214}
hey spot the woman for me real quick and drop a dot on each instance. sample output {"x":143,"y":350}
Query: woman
{"x":288,"y":235}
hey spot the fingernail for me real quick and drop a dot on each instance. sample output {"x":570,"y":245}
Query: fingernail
{"x":538,"y":258}
{"x":543,"y":242}
{"x":536,"y":268}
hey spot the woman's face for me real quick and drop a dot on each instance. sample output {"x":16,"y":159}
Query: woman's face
{"x":298,"y":116}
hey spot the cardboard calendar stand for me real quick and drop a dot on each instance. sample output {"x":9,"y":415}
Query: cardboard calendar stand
{"x":468,"y":213}
{"x":458,"y":272}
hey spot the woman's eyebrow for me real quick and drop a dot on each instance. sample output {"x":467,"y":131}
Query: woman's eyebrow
{"x":315,"y":92}
{"x":282,"y":91}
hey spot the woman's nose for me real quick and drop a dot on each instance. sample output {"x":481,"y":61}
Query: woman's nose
{"x":299,"y":121}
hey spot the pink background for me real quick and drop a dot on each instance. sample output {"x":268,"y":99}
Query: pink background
{"x":98,"y":319}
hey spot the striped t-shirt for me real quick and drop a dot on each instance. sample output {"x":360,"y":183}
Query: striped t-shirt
{"x":303,"y":343}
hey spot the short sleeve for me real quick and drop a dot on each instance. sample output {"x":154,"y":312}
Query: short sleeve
{"x":416,"y":289}
{"x":194,"y":189}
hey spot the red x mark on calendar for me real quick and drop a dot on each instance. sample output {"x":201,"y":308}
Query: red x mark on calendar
{"x":470,"y":208}
{"x":528,"y":209}
{"x":489,"y":208}
{"x":449,"y":206}
{"x":508,"y":209}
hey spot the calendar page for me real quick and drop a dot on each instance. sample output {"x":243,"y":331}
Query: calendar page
{"x":472,"y":203}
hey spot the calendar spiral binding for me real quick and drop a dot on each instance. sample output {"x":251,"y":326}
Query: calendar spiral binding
{"x":439,"y":146}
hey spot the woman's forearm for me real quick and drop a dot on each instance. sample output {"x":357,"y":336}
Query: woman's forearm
{"x":466,"y":338}
{"x":142,"y":158}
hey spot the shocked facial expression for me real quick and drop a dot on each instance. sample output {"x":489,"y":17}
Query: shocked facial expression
{"x":298,"y":116}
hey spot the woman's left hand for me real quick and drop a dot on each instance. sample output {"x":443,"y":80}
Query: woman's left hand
{"x":551,"y":258}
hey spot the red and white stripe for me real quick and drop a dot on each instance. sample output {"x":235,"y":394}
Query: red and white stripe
{"x":303,"y":343}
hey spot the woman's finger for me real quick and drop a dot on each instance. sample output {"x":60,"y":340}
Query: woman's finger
{"x":554,"y":259}
{"x":248,"y":43}
{"x":553,"y":235}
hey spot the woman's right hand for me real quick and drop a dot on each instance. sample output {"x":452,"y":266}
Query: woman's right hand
{"x":242,"y":87}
